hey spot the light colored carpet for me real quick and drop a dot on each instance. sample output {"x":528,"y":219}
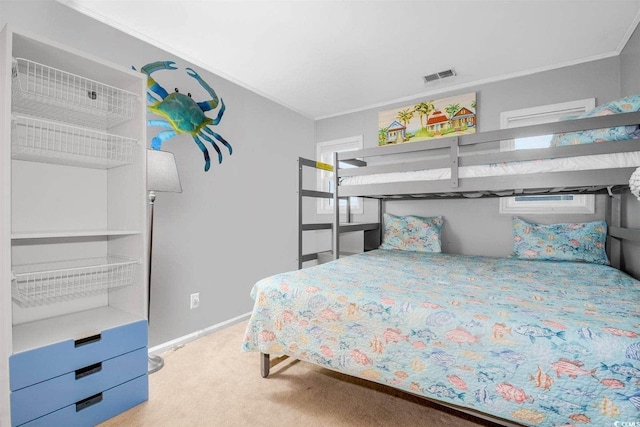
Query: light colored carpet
{"x":210,"y":382}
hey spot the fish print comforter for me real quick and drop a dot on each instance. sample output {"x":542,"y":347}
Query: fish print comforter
{"x":535,"y":342}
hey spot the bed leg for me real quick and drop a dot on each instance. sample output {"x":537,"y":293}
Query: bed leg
{"x":264,"y":365}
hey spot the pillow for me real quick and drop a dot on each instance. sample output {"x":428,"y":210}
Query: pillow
{"x":412,"y":233}
{"x":581,"y":242}
{"x":619,"y":133}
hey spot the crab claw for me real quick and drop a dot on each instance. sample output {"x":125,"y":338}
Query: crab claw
{"x":159,"y":65}
{"x":192,"y":73}
{"x":204,"y":105}
{"x":152,"y":85}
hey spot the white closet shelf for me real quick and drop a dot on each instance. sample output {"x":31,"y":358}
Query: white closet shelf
{"x":46,"y":283}
{"x":71,"y":233}
{"x":45,"y":91}
{"x":47,"y":141}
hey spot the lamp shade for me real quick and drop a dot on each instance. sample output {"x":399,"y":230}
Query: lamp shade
{"x":162,"y":172}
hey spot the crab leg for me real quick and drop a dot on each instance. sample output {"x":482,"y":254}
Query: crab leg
{"x":213,"y":143}
{"x":204,"y":105}
{"x":219,"y":138}
{"x":159,"y":123}
{"x":151,"y":83}
{"x":156,"y":141}
{"x":151,"y":98}
{"x":216,"y":121}
{"x":207,"y":160}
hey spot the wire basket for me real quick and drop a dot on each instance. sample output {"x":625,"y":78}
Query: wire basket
{"x":46,"y":283}
{"x":54,"y":142}
{"x":50,"y":93}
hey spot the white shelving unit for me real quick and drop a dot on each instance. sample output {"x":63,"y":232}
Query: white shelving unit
{"x":73,"y":254}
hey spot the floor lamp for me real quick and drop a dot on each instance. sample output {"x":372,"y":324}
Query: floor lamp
{"x":162,"y":176}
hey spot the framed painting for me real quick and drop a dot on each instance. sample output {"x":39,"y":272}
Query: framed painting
{"x":451,"y":116}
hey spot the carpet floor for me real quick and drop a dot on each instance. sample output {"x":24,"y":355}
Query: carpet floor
{"x":210,"y":382}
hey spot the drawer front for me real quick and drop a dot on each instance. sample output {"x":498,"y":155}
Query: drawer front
{"x":40,"y":364}
{"x":98,"y":408}
{"x":49,"y":396}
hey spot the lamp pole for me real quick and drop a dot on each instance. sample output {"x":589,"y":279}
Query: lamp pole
{"x":162,"y":175}
{"x":155,"y":362}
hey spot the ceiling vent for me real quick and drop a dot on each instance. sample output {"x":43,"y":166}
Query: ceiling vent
{"x":439,"y":76}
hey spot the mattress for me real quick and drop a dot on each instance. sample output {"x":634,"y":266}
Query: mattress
{"x":535,"y":342}
{"x":593,"y":162}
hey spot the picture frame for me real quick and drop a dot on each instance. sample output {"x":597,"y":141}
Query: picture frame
{"x":431,"y":119}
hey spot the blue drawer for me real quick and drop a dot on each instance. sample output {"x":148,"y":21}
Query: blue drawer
{"x":49,"y":396}
{"x":99,"y":407}
{"x":40,"y":364}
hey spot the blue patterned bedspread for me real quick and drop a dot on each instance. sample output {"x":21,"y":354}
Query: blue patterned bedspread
{"x":535,"y":342}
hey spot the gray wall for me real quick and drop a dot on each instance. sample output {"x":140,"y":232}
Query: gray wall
{"x":232,"y":225}
{"x":474,"y":226}
{"x":629,"y":85}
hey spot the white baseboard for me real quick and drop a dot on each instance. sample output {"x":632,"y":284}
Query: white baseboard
{"x":179,"y":342}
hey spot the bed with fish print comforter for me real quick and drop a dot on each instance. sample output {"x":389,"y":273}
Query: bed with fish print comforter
{"x":534,"y":342}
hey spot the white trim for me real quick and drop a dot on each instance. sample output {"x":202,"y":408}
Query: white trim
{"x":340,"y":141}
{"x":564,"y":108}
{"x":629,"y":33}
{"x":355,"y":142}
{"x":581,"y":203}
{"x":179,"y":342}
{"x":534,"y":115}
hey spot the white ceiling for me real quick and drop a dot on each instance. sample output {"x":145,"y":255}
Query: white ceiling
{"x":325,"y":58}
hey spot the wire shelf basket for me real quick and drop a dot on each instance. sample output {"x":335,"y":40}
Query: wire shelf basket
{"x":54,"y":142}
{"x":50,"y":93}
{"x":46,"y":283}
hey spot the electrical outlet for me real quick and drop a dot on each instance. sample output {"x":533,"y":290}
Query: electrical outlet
{"x":195,"y":300}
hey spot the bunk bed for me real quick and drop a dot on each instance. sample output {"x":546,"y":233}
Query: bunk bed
{"x":549,"y":336}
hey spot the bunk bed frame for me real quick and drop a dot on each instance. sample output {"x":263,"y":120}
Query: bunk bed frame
{"x":469,"y":150}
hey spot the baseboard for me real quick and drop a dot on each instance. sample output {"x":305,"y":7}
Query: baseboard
{"x":179,"y":342}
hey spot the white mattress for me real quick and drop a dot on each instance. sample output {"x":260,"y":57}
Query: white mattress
{"x":601,"y":161}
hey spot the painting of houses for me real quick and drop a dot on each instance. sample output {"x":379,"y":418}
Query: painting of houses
{"x":396,"y":132}
{"x":430,"y":119}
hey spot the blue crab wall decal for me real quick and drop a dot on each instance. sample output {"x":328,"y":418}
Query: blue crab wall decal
{"x":182,"y":114}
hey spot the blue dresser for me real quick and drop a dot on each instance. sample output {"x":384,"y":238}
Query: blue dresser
{"x":80,"y":382}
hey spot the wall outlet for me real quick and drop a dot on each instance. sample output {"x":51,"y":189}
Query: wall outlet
{"x":195,"y":300}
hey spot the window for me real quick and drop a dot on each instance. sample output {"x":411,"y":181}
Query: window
{"x":324,"y":153}
{"x":537,"y":115}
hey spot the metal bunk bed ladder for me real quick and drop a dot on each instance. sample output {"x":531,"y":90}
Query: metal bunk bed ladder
{"x":347,"y":227}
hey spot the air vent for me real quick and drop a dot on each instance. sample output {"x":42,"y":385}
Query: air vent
{"x":438,"y":76}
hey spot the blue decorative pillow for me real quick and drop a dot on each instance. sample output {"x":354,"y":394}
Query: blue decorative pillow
{"x":412,"y":233}
{"x":581,"y":242}
{"x":619,"y":133}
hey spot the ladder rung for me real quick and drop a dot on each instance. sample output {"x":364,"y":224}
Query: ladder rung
{"x":318,"y":226}
{"x":309,"y":257}
{"x":314,"y":193}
